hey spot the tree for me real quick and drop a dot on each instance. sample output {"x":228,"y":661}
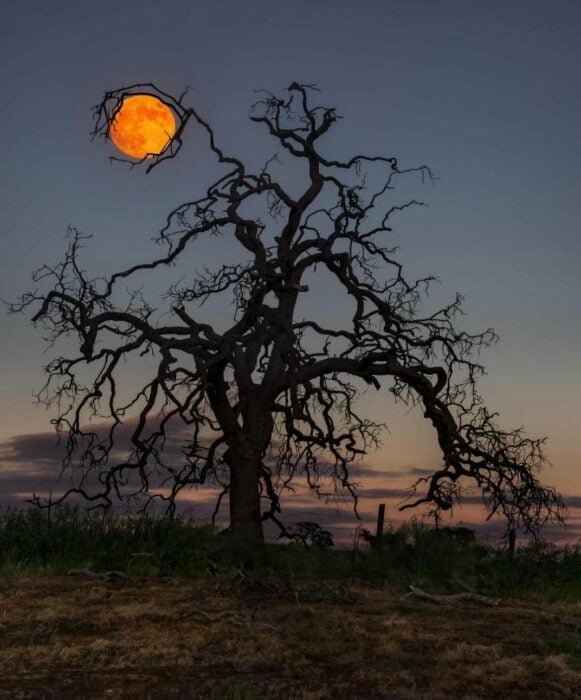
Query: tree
{"x":272,"y":381}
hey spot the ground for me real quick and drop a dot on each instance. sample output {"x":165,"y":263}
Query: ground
{"x":75,"y":637}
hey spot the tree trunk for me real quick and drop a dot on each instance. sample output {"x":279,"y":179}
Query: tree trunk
{"x":245,"y":512}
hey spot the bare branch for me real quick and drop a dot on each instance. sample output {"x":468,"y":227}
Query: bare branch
{"x":273,"y":396}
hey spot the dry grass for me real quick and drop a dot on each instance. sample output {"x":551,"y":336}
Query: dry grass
{"x":62,"y":637}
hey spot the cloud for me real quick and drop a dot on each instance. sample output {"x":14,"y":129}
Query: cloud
{"x":39,"y":448}
{"x":572,"y":501}
{"x":389,"y":473}
{"x":32,"y":462}
{"x":400,"y":494}
{"x":362,"y":471}
{"x":420,"y":471}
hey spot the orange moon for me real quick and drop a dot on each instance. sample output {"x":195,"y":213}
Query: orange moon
{"x":142,"y":126}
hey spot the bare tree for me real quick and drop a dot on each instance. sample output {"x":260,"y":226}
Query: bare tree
{"x":273,"y":383}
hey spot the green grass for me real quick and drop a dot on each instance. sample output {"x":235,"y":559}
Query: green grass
{"x":30,"y":542}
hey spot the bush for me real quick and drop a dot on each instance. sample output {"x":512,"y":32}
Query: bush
{"x":312,"y":534}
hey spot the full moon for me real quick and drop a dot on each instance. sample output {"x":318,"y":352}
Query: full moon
{"x":142,"y":126}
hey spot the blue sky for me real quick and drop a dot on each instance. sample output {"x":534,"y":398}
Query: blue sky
{"x":485,"y":93}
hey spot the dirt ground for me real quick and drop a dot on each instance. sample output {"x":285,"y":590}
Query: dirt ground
{"x":74,"y":637}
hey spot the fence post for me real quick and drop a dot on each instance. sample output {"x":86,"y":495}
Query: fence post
{"x":511,"y":541}
{"x":380,"y":519}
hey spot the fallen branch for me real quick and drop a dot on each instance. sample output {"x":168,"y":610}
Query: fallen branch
{"x":453,"y":597}
{"x":231,"y":617}
{"x":104,"y":576}
{"x":268,"y":587}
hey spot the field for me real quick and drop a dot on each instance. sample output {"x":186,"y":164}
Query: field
{"x":285,"y":623}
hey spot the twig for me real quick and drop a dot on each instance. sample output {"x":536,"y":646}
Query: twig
{"x":453,"y":597}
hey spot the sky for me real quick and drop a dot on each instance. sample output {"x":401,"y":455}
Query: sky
{"x":485,"y":93}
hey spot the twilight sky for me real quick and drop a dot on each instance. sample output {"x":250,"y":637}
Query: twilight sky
{"x":485,"y":93}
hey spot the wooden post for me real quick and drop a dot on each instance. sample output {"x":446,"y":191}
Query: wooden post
{"x":511,"y":541}
{"x":355,"y":550}
{"x":380,"y":519}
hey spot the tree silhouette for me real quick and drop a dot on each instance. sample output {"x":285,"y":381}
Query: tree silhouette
{"x":274,"y":384}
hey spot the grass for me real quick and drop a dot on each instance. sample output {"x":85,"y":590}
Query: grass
{"x":66,"y":638}
{"x":170,"y":630}
{"x":32,"y":543}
